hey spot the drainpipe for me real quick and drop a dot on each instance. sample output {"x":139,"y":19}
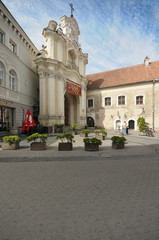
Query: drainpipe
{"x":153,"y":105}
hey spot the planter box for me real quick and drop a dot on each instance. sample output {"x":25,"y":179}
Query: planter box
{"x":118,"y":146}
{"x":8,"y":146}
{"x":91,"y":147}
{"x":65,"y":146}
{"x":38,"y":146}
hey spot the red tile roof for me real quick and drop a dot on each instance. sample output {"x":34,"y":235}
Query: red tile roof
{"x":121,"y":76}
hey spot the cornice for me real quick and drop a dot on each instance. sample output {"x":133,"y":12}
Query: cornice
{"x":10,"y":21}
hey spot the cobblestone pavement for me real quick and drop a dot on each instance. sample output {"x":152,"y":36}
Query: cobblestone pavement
{"x":78,"y":195}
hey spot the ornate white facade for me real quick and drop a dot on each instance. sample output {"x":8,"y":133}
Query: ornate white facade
{"x":62,"y":75}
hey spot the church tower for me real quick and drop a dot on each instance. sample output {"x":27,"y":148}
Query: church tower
{"x":61,"y":67}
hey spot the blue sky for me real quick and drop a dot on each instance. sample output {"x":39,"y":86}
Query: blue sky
{"x":114,"y":33}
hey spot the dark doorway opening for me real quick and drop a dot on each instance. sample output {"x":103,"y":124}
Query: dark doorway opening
{"x":90,"y":122}
{"x":131,"y":124}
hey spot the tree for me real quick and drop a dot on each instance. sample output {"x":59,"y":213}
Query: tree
{"x":141,"y":123}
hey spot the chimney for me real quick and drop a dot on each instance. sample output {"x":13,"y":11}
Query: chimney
{"x":146,"y":61}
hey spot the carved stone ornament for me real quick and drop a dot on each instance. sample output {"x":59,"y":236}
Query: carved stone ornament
{"x":52,"y":25}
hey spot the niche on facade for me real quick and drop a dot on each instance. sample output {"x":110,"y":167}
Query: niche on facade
{"x":118,"y":124}
{"x":71,"y":60}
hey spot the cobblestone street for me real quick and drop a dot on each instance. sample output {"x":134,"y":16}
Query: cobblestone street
{"x":78,"y":195}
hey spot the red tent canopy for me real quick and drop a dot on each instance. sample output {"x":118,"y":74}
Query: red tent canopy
{"x":28,"y":122}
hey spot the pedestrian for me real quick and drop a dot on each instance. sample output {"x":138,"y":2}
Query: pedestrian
{"x":127,"y":129}
{"x":124,"y":128}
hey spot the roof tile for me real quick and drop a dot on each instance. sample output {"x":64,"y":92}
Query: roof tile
{"x":121,"y":76}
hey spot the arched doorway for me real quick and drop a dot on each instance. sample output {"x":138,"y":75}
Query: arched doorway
{"x":90,"y":122}
{"x":71,"y":109}
{"x":131,"y":124}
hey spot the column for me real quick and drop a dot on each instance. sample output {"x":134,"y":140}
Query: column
{"x":51,"y":93}
{"x":61,"y":83}
{"x":42,"y":88}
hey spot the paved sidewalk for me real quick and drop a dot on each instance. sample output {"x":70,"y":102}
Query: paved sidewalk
{"x":78,"y":195}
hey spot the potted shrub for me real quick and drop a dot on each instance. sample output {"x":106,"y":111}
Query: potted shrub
{"x":38,"y":141}
{"x":74,"y":128}
{"x":118,"y":142}
{"x":66,"y":141}
{"x":58,"y":128}
{"x":101,"y":134}
{"x":10,"y":142}
{"x":92,"y":144}
{"x":85,"y":132}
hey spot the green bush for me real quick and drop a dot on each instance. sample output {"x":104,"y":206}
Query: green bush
{"x":92,"y":140}
{"x":101,"y":131}
{"x":118,"y":139}
{"x":58,"y":128}
{"x":11,"y":139}
{"x":85,"y":131}
{"x":65,"y":137}
{"x":36,"y":137}
{"x":141,"y":123}
{"x":74,"y":127}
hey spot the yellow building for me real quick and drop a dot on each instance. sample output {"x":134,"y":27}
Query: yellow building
{"x":124,"y":95}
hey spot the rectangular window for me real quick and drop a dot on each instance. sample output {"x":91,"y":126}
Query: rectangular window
{"x":107,"y":101}
{"x":90,"y":102}
{"x":121,"y":100}
{"x":12,"y":81}
{"x":139,"y":100}
{"x":1,"y":37}
{"x":13,"y":46}
{"x":1,"y":77}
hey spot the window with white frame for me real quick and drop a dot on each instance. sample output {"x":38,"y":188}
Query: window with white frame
{"x":139,"y":100}
{"x":2,"y":74}
{"x":108,"y":101}
{"x":1,"y":36}
{"x":121,"y":100}
{"x":90,"y":102}
{"x":13,"y":46}
{"x":12,"y":80}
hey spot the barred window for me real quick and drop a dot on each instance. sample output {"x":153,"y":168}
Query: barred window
{"x":90,"y":102}
{"x":121,"y":100}
{"x":107,"y":101}
{"x":139,"y":100}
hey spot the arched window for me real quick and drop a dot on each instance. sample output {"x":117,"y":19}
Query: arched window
{"x":12,"y":80}
{"x":2,"y":74}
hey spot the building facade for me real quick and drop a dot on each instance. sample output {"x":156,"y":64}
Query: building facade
{"x":18,"y":77}
{"x":124,"y":95}
{"x":62,"y":75}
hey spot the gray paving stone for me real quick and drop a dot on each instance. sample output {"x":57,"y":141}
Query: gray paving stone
{"x":78,"y":195}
